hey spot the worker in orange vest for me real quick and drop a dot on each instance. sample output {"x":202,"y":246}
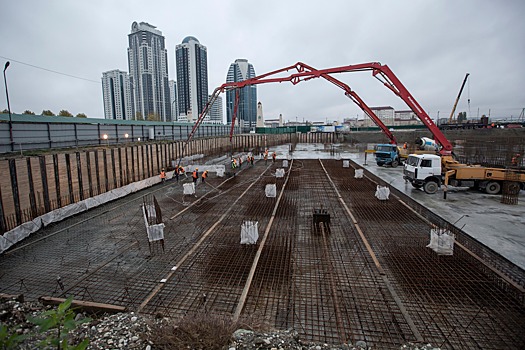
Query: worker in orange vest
{"x":195,"y":176}
{"x":274,"y":156}
{"x":162,"y":175}
{"x":204,"y":176}
{"x":266,"y":157}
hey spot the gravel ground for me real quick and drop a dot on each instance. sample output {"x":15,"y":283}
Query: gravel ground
{"x":133,"y":331}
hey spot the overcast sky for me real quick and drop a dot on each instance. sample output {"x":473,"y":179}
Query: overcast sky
{"x":430,"y":46}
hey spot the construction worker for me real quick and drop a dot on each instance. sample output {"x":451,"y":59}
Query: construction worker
{"x":162,"y":175}
{"x":176,"y":173}
{"x":195,"y":176}
{"x":274,"y":156}
{"x":204,"y":176}
{"x":182,"y":171}
{"x":240,"y":162}
{"x":515,"y":161}
{"x":266,"y":157}
{"x":405,"y":145}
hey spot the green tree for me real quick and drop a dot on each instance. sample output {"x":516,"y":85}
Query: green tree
{"x":65,"y":113}
{"x":153,"y":117}
{"x":5,"y":111}
{"x":27,"y":111}
{"x":138,"y":116}
{"x":81,"y":115}
{"x":48,"y":113}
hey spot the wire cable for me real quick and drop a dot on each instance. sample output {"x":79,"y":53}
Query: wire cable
{"x":50,"y":70}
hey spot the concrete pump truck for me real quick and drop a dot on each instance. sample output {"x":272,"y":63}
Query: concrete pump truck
{"x":427,"y":171}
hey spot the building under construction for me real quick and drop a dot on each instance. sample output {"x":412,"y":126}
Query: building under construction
{"x":328,"y":256}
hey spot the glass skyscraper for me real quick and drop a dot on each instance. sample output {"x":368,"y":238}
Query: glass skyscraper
{"x":148,"y":70}
{"x":247,"y":110}
{"x":192,"y":77}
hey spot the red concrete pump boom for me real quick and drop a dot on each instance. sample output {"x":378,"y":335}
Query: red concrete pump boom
{"x":305,"y":72}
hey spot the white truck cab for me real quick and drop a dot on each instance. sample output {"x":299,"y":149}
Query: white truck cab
{"x":423,"y":170}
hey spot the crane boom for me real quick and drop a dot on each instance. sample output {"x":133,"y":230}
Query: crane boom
{"x":305,"y":72}
{"x":457,"y":98}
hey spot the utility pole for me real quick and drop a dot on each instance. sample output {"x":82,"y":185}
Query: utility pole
{"x":9,"y":109}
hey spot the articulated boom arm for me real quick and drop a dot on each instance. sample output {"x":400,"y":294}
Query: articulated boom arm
{"x":305,"y":72}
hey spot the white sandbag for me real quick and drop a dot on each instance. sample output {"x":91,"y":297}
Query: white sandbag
{"x":285,"y":163}
{"x":155,"y":232}
{"x":220,"y":171}
{"x":346,"y":164}
{"x":189,"y":188}
{"x":358,"y":173}
{"x":271,"y":191}
{"x":249,"y":232}
{"x":442,"y":242}
{"x":279,"y":172}
{"x":382,"y":192}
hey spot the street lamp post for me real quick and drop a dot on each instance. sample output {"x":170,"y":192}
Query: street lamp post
{"x":9,"y":109}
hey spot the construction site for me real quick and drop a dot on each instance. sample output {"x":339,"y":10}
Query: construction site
{"x":294,"y":229}
{"x":331,"y":261}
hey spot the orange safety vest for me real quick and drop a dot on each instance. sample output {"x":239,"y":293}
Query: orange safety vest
{"x":162,"y":175}
{"x":204,"y":175}
{"x":194,"y":175}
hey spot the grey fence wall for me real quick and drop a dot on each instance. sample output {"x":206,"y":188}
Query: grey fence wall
{"x":43,"y":132}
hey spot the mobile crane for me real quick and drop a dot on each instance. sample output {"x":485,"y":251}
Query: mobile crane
{"x":444,"y":168}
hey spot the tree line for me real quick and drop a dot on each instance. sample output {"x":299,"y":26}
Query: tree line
{"x":47,"y":112}
{"x":66,"y":113}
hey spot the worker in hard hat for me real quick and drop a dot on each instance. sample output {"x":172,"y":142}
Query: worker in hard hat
{"x":195,"y":176}
{"x":204,"y":176}
{"x":266,"y":157}
{"x":163,"y":175}
{"x":274,"y":156}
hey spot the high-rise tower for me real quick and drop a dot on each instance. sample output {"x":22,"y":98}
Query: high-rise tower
{"x":192,"y":77}
{"x":148,"y":69}
{"x":173,"y":99}
{"x":247,"y":110}
{"x":117,"y":95}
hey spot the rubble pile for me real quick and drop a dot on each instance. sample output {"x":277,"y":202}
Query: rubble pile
{"x":133,"y":331}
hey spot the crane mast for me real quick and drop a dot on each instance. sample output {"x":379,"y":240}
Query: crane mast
{"x":457,"y":99}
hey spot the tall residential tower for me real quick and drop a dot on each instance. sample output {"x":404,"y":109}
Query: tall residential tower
{"x":192,"y":78}
{"x":117,"y":95}
{"x":247,"y":110}
{"x":148,"y":69}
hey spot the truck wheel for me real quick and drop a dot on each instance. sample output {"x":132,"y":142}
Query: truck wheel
{"x":395,"y":163}
{"x":431,"y":187}
{"x":493,"y":187}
